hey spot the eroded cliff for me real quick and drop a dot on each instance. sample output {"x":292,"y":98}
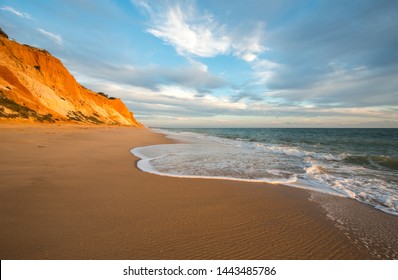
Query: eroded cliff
{"x":35,"y":86}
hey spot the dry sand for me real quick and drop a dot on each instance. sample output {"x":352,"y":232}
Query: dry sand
{"x":74,"y":192}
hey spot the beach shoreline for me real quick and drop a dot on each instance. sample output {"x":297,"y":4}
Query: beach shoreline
{"x":74,"y":192}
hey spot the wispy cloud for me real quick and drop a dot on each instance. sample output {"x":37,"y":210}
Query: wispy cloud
{"x":358,"y":87}
{"x":16,"y":12}
{"x":169,"y":99}
{"x":164,"y":104}
{"x":192,"y":32}
{"x":195,"y":75}
{"x":264,"y":70}
{"x":142,"y":4}
{"x":250,"y":46}
{"x":54,"y":37}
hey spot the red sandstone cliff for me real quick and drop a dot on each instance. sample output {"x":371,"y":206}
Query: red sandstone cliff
{"x":35,"y":86}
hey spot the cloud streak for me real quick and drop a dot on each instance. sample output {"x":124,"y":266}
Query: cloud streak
{"x":172,"y":102}
{"x":250,"y":47}
{"x":194,"y":76}
{"x":16,"y":12}
{"x":191,"y":32}
{"x":53,"y":37}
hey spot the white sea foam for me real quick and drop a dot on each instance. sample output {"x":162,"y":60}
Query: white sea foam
{"x":146,"y":164}
{"x":220,"y":158}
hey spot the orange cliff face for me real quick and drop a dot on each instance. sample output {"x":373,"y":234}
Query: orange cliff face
{"x":35,"y":86}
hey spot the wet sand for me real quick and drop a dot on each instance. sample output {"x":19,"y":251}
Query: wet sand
{"x":74,"y":192}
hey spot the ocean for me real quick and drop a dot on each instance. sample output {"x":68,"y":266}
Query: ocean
{"x":358,"y":163}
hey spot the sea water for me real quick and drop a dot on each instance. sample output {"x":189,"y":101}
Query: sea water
{"x":358,"y":163}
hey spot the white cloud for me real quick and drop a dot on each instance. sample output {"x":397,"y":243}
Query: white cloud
{"x":194,"y":33}
{"x":174,"y":99}
{"x":177,"y":92}
{"x":344,"y":88}
{"x":264,"y":70}
{"x":248,"y":48}
{"x":16,"y":12}
{"x":189,"y":32}
{"x":200,"y":66}
{"x":143,"y":4}
{"x":175,"y":104}
{"x":54,"y":37}
{"x":191,"y":98}
{"x":193,"y":75}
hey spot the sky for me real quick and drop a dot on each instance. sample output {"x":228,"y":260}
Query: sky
{"x":276,"y":63}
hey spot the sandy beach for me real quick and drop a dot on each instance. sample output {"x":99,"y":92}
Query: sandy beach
{"x":74,"y":192}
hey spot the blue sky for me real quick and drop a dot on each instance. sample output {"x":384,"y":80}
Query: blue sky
{"x":226,"y":63}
